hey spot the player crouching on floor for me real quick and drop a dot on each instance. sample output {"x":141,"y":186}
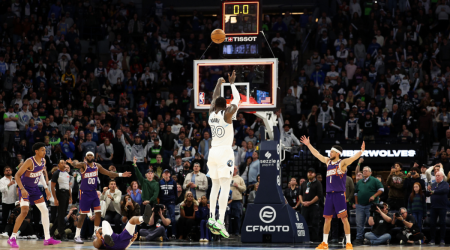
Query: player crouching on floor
{"x":106,"y":239}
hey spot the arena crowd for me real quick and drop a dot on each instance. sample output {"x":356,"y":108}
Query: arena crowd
{"x":373,"y":71}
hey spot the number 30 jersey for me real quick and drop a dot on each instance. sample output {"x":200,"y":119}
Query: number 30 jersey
{"x":89,"y":178}
{"x":222,"y":132}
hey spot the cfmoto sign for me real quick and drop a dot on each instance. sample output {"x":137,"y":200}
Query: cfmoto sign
{"x":267,"y":214}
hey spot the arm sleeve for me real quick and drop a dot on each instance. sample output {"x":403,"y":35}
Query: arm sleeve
{"x":236,"y":95}
{"x":42,"y":181}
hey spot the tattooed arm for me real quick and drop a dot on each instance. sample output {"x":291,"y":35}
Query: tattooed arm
{"x":112,"y":174}
{"x":216,"y":94}
{"x":76,"y":164}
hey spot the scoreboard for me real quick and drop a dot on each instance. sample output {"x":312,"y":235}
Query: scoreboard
{"x":241,"y":24}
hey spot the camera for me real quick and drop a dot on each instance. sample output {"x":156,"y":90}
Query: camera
{"x":374,"y":206}
{"x":397,"y":215}
{"x":75,"y":211}
{"x":157,"y":208}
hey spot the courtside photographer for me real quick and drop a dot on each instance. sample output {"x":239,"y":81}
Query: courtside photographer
{"x":158,"y":224}
{"x":381,"y":222}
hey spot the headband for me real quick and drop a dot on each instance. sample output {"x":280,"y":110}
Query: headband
{"x":336,"y":150}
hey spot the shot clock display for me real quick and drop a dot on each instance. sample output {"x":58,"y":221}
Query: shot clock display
{"x":240,"y":18}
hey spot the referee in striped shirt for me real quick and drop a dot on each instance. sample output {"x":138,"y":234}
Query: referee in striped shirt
{"x":62,"y":195}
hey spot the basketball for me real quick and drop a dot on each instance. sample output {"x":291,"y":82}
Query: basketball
{"x":218,"y":36}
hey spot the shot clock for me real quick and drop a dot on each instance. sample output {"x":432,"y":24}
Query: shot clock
{"x":241,"y":18}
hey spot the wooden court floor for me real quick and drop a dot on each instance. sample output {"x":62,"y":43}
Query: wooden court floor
{"x":38,"y":245}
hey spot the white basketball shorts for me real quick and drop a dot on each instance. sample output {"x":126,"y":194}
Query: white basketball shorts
{"x":221,"y":162}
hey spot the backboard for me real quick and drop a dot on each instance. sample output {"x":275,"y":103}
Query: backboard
{"x":256,"y":81}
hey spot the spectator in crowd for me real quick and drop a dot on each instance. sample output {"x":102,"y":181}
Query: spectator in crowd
{"x":111,"y":211}
{"x":105,"y":152}
{"x":381,"y":223}
{"x":158,"y":224}
{"x":411,"y":179}
{"x":85,"y":146}
{"x":244,"y":167}
{"x":187,"y":215}
{"x":168,"y":196}
{"x":311,"y":193}
{"x":253,"y":170}
{"x":178,"y":166}
{"x":150,"y":187}
{"x":410,"y":233}
{"x":180,"y":194}
{"x":10,"y":120}
{"x":138,"y":152}
{"x":135,"y":193}
{"x":237,"y":188}
{"x":439,"y":192}
{"x":395,"y":182}
{"x":181,"y":175}
{"x":202,"y":215}
{"x":252,"y":194}
{"x":292,"y":192}
{"x":417,"y":203}
{"x":205,"y":144}
{"x":9,"y":196}
{"x":367,"y":192}
{"x":196,"y":182}
{"x":168,"y":144}
{"x":431,"y":173}
{"x":67,"y":147}
{"x":26,"y":229}
{"x":129,"y":208}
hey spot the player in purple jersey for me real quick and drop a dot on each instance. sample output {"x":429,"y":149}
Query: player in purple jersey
{"x":29,"y":175}
{"x":88,"y":190}
{"x":106,"y":239}
{"x":335,"y":203}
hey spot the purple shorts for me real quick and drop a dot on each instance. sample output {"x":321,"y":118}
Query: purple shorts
{"x":34,"y":195}
{"x":89,"y":201}
{"x":335,"y":205}
{"x":121,"y":241}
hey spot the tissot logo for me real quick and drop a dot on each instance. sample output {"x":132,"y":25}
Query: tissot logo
{"x":379,"y":153}
{"x":268,"y":155}
{"x":241,"y":39}
{"x":267,"y":214}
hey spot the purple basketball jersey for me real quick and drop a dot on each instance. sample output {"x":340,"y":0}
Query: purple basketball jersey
{"x":89,"y":178}
{"x":335,"y":177}
{"x":30,"y":178}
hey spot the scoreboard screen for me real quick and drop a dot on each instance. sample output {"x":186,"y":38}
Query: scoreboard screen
{"x":240,"y":18}
{"x":240,"y":49}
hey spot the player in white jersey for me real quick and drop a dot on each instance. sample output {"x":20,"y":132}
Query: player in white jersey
{"x":221,"y":155}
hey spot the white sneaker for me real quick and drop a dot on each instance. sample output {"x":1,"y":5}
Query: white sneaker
{"x":201,"y":240}
{"x":205,"y":240}
{"x":220,"y":227}
{"x":33,"y":237}
{"x":4,"y":235}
